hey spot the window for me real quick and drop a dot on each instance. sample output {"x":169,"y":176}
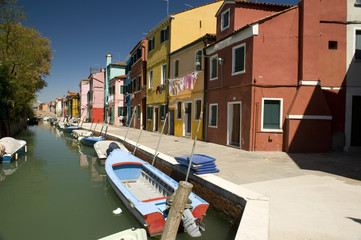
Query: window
{"x":149,"y":113}
{"x":120,"y":111}
{"x":213,"y":70}
{"x":179,"y":110}
{"x":272,"y":114}
{"x":238,"y":59}
{"x":133,"y":85}
{"x":358,"y":45}
{"x":164,"y":35}
{"x":197,"y":108}
{"x":225,"y":20}
{"x":151,"y":79}
{"x":163,"y":111}
{"x":358,"y":2}
{"x":198,"y":60}
{"x":138,"y":111}
{"x":139,"y":82}
{"x":213,"y":115}
{"x":139,"y":53}
{"x":176,"y":68}
{"x":164,"y":74}
{"x":121,"y":89}
{"x":332,"y":45}
{"x":151,"y":44}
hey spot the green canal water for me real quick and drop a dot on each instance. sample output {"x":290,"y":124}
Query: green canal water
{"x":58,"y":190}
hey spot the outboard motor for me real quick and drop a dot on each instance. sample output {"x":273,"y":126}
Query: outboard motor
{"x":190,"y":224}
{"x":111,"y":147}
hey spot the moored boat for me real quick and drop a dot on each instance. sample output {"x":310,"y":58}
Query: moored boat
{"x":144,"y":190}
{"x":10,"y":148}
{"x":103,"y":149}
{"x":129,"y":234}
{"x":90,"y":141}
{"x":79,"y":133}
{"x":69,"y":129}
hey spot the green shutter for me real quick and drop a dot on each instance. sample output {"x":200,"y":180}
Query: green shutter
{"x":214,"y":115}
{"x":239,"y":60}
{"x":271,"y":114}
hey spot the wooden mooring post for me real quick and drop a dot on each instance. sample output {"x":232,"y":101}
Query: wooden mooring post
{"x":176,"y":210}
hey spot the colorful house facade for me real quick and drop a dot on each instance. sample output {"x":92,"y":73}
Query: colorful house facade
{"x":59,"y":107}
{"x":72,"y":99}
{"x":353,"y":80}
{"x":84,"y":87}
{"x":96,"y":96}
{"x":138,"y":83}
{"x":186,"y":88}
{"x":116,"y":100}
{"x":269,"y":73}
{"x":174,"y":32}
{"x":111,"y":71}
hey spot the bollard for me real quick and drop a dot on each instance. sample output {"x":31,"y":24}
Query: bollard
{"x":175,"y":213}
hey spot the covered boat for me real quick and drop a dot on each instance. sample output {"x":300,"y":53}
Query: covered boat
{"x":104,"y":148}
{"x":79,"y":133}
{"x":10,"y":148}
{"x":69,"y":129}
{"x":129,"y":234}
{"x":144,"y":190}
{"x":90,"y":141}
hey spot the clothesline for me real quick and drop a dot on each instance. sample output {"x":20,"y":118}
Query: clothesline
{"x":178,"y":85}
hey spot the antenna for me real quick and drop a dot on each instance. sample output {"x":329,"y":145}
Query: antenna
{"x":188,"y":5}
{"x":167,"y":7}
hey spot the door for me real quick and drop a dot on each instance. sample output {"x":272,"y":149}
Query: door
{"x":187,"y":119}
{"x":144,"y":113}
{"x":356,"y":121}
{"x":171,"y":122}
{"x":234,"y":124}
{"x":156,"y":119}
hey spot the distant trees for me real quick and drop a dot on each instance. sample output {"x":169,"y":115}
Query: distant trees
{"x":25,"y":61}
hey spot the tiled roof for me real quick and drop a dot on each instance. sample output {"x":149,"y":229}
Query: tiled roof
{"x":118,"y":64}
{"x":263,"y":3}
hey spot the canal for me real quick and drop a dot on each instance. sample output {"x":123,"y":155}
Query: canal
{"x":58,"y":190}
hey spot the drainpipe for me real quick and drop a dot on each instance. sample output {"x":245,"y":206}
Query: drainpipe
{"x":205,"y":103}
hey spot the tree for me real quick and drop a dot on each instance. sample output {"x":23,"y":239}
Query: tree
{"x":25,"y":60}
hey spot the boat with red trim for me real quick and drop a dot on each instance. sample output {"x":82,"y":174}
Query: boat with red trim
{"x":144,"y":190}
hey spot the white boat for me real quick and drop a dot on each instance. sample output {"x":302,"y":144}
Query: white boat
{"x":81,"y":133}
{"x":130,"y":234}
{"x":11,"y":148}
{"x":101,"y":148}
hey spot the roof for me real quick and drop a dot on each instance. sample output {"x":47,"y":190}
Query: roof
{"x":170,"y":17}
{"x":255,"y":22}
{"x":118,"y":64}
{"x":137,"y":45}
{"x":121,"y":76}
{"x":207,"y":36}
{"x":255,"y":4}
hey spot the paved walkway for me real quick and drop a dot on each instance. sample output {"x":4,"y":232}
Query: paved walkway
{"x":312,"y":196}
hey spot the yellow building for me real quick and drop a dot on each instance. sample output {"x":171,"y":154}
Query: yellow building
{"x":174,"y":32}
{"x":186,"y":88}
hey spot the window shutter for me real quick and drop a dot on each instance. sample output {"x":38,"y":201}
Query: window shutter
{"x":271,"y":117}
{"x":239,"y":60}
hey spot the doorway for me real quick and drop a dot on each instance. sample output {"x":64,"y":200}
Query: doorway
{"x":156,"y":119}
{"x":356,"y":122}
{"x":187,"y":119}
{"x":234,"y":123}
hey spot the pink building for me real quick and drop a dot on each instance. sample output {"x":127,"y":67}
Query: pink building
{"x":96,"y":96}
{"x":84,"y":86}
{"x":116,"y":100}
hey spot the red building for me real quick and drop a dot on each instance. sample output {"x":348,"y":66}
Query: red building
{"x":137,"y":89}
{"x":275,"y":75}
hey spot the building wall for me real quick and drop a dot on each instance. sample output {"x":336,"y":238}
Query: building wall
{"x":353,"y":83}
{"x":192,"y":24}
{"x":84,"y":88}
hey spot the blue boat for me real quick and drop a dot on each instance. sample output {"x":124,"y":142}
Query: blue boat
{"x":145,"y":191}
{"x":69,"y":129}
{"x":10,"y":149}
{"x":90,"y":141}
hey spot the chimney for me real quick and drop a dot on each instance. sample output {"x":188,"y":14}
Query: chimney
{"x":109,"y":59}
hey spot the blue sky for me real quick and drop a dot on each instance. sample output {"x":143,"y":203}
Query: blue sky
{"x":83,"y":32}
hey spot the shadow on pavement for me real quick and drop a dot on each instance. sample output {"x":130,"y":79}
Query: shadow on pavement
{"x":338,"y":163}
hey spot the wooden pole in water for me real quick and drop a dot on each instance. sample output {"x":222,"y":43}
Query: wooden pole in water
{"x":161,"y":133}
{"x":194,"y":145}
{"x":130,"y":123}
{"x":176,"y":210}
{"x":91,"y":124}
{"x":136,"y":145}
